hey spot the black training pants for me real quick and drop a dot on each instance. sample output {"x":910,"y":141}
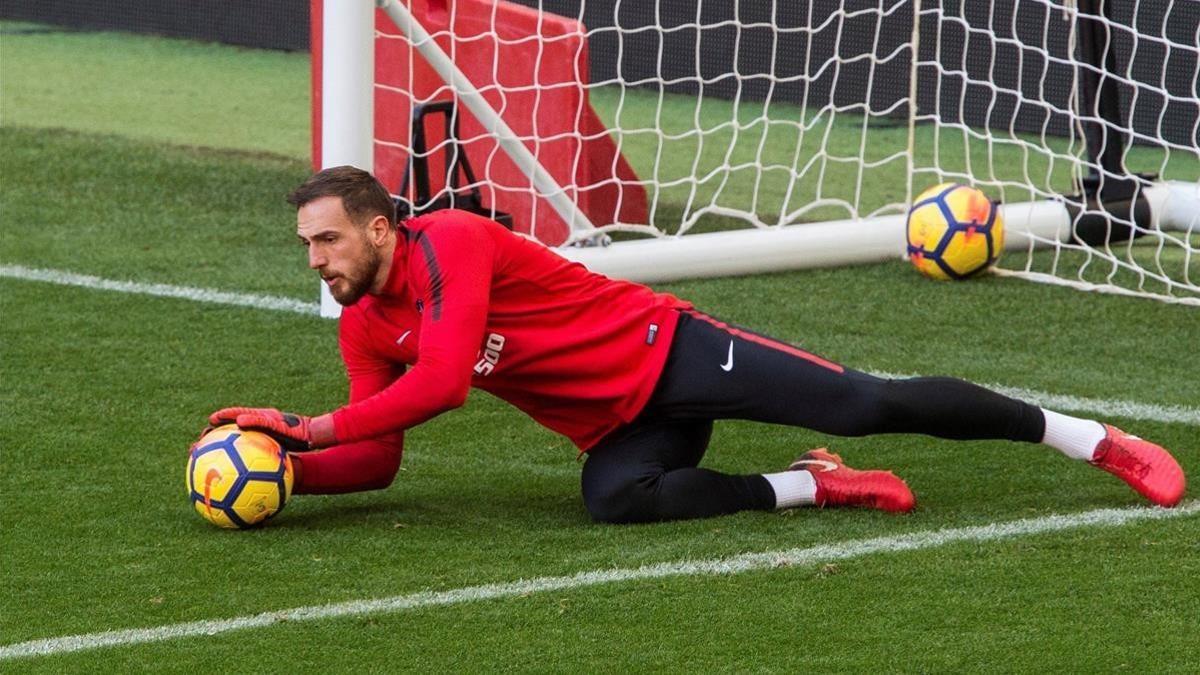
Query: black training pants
{"x":647,"y":470}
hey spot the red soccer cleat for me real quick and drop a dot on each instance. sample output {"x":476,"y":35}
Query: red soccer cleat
{"x":1146,"y":467}
{"x":839,"y":485}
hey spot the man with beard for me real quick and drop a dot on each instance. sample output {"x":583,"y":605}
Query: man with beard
{"x":449,"y":300}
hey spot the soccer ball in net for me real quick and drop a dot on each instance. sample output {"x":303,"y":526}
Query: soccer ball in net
{"x":954,"y":232}
{"x":238,"y":478}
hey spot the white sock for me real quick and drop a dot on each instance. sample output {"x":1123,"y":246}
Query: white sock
{"x":1074,"y":437}
{"x":792,"y":488}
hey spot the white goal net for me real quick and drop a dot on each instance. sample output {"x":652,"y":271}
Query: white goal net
{"x":729,"y":137}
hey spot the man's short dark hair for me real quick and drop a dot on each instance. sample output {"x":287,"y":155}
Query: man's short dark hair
{"x":363,"y":197}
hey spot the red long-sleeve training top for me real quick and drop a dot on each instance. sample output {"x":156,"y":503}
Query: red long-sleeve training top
{"x":468,"y":303}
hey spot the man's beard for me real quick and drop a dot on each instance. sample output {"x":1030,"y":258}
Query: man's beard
{"x":356,"y":282}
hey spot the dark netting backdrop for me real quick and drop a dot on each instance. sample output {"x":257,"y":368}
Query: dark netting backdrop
{"x":271,"y":24}
{"x":1011,"y":52}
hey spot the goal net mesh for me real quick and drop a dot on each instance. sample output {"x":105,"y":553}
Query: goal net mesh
{"x":759,"y":115}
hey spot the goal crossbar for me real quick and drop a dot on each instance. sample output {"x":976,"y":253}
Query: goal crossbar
{"x":1175,"y":206}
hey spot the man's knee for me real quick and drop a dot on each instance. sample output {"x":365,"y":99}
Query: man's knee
{"x":870,"y":406}
{"x":627,"y":501}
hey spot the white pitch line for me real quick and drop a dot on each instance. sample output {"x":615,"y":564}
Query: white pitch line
{"x":1105,"y":407}
{"x":748,"y":562}
{"x":160,"y":290}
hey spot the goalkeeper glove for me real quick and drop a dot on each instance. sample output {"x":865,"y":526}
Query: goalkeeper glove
{"x":294,"y":432}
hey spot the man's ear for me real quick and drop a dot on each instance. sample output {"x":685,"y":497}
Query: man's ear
{"x":378,"y":229}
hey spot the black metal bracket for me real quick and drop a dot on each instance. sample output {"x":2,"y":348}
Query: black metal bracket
{"x":1108,"y":194}
{"x":454,"y":195}
{"x":1099,"y":223}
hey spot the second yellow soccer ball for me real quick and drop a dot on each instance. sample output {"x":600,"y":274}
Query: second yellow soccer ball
{"x":954,"y":232}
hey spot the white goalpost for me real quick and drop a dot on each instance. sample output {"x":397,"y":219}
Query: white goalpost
{"x":734,"y":138}
{"x":347,"y":110}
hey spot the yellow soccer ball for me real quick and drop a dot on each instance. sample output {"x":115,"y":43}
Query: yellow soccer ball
{"x":237,"y":478}
{"x":954,"y":232}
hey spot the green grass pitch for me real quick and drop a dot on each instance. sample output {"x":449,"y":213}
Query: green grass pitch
{"x":102,"y":392}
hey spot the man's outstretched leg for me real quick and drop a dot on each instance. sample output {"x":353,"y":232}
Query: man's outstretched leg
{"x":719,"y":371}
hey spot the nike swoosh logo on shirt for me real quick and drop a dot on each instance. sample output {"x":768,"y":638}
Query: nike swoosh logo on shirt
{"x":728,"y":365}
{"x":400,"y":339}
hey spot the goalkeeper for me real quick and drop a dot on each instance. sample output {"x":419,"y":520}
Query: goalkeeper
{"x":442,"y":302}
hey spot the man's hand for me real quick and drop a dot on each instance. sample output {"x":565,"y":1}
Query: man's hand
{"x":294,"y":432}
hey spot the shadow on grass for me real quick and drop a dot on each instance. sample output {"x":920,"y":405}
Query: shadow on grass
{"x":498,"y":508}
